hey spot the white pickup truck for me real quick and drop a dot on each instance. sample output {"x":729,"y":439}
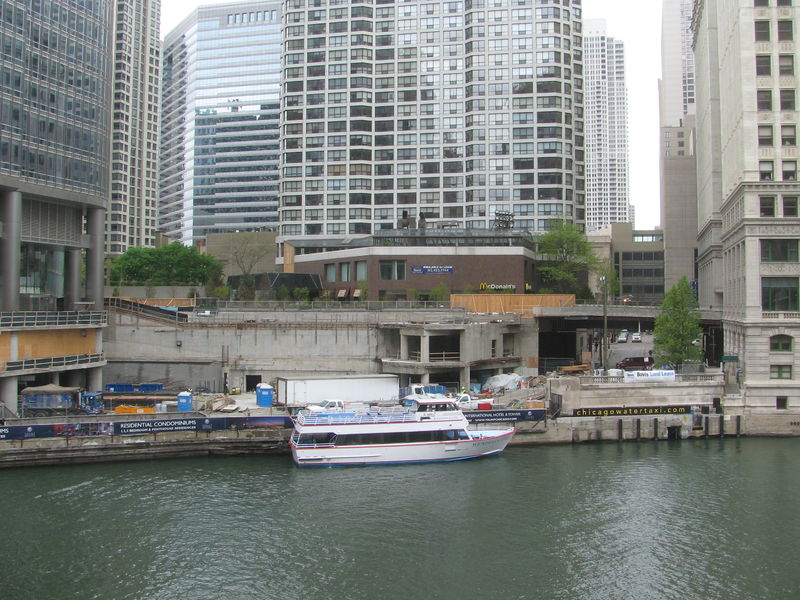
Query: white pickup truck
{"x":467,"y":402}
{"x":336,"y":405}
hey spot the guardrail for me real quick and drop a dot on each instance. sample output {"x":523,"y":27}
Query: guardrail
{"x":715,"y":378}
{"x":47,"y":318}
{"x":53,"y":362}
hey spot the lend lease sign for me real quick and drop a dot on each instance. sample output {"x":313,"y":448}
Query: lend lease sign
{"x":431,"y":269}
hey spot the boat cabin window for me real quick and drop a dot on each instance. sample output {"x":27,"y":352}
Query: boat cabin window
{"x":436,"y":407}
{"x":413,"y":437}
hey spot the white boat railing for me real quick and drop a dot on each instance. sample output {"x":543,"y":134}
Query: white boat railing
{"x":305,"y":417}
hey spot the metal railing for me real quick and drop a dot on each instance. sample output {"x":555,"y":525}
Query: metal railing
{"x":436,"y":356}
{"x":155,"y":312}
{"x":714,"y":378}
{"x":42,"y":318}
{"x":384,"y":416}
{"x":53,"y":362}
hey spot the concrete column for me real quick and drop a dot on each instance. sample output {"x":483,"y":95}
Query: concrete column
{"x":465,"y":377}
{"x":425,"y":347}
{"x":403,"y":346}
{"x":55,"y":377}
{"x":10,"y":251}
{"x":94,"y":259}
{"x":72,"y":278}
{"x":8,"y":394}
{"x":94,"y":379}
{"x":426,"y":378}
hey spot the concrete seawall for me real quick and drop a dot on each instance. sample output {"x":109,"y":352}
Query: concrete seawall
{"x":274,"y":440}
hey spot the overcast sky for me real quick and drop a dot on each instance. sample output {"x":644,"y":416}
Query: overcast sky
{"x":638,"y":24}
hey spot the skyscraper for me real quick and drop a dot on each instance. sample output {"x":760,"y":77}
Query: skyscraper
{"x":746,"y":55}
{"x":608,"y":192}
{"x":219,"y":121}
{"x":131,"y":218}
{"x":54,"y":182}
{"x":678,"y":167}
{"x":460,"y":111}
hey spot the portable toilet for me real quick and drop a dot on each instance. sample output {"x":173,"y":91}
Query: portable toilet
{"x":264,"y":394}
{"x":185,"y":402}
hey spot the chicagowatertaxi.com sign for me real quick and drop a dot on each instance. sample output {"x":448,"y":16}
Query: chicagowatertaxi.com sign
{"x":632,"y":411}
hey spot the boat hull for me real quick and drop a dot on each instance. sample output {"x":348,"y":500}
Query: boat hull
{"x":489,"y":443}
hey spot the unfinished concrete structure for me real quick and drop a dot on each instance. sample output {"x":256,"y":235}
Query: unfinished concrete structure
{"x":238,"y":349}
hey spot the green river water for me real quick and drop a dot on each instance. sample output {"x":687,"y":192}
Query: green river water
{"x":707,"y":519}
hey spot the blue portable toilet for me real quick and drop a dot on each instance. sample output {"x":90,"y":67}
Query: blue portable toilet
{"x":185,"y":402}
{"x":263,"y":394}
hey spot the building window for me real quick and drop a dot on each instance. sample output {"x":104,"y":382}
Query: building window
{"x":789,"y":170}
{"x":765,"y":135}
{"x":786,"y":64}
{"x":781,"y":402}
{"x":765,"y":171}
{"x":330,"y":272}
{"x":763,"y":64}
{"x":785,"y":31}
{"x":790,"y":206}
{"x":788,"y":135}
{"x":344,"y":269}
{"x":762,"y":31}
{"x":766,"y":206}
{"x":779,"y":294}
{"x":784,"y":3}
{"x":780,"y":371}
{"x":764,"y":99}
{"x":780,"y":343}
{"x":392,"y":270}
{"x":779,"y":250}
{"x":787,"y":99}
{"x":361,"y":270}
{"x":760,"y":2}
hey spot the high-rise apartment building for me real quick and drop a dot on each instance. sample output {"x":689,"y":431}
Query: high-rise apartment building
{"x":54,"y":186}
{"x":607,"y":187}
{"x":677,"y":161}
{"x":220,"y":121}
{"x":131,"y":218}
{"x":455,"y":111}
{"x":746,"y":55}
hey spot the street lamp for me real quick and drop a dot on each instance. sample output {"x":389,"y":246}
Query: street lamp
{"x":604,"y":341}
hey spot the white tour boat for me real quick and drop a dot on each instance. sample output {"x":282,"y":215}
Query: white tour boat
{"x":425,"y":431}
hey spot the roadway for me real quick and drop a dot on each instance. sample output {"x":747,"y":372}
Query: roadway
{"x":620,"y":350}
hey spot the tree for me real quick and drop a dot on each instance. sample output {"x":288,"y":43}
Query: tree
{"x":566,"y":254}
{"x":439,"y":293}
{"x":677,"y":326}
{"x":247,"y":249}
{"x":174,"y":264}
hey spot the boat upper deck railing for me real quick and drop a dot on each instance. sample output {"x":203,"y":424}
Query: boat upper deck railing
{"x":307,"y":417}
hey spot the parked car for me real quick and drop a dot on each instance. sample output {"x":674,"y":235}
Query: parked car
{"x":636,"y":363}
{"x":622,"y":337}
{"x":636,"y":337}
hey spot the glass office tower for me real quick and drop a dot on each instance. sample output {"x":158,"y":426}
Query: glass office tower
{"x":54,"y":128}
{"x":219,"y":122}
{"x":455,"y":111}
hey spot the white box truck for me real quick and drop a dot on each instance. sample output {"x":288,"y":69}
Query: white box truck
{"x":366,"y":389}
